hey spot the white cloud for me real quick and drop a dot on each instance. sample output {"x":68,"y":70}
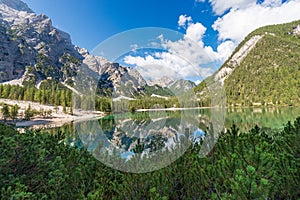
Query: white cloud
{"x":184,"y":21}
{"x":272,"y":3}
{"x":238,"y":23}
{"x":196,"y":32}
{"x":166,"y":63}
{"x":184,"y":58}
{"x":220,"y":6}
{"x":197,"y":82}
{"x":225,"y":49}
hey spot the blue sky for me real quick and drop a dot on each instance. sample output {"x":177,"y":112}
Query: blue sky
{"x":215,"y":27}
{"x":91,"y":21}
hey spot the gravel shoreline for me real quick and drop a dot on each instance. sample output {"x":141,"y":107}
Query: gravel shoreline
{"x":57,"y":119}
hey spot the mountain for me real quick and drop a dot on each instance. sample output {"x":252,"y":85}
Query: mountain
{"x":164,"y":81}
{"x":175,"y":87}
{"x":16,"y":5}
{"x":181,"y":86}
{"x":33,"y":51}
{"x":116,"y":80}
{"x":263,"y":70}
{"x":29,"y":42}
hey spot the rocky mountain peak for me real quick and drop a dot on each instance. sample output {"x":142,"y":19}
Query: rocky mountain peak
{"x":124,"y":81}
{"x":16,"y":5}
{"x":181,"y":86}
{"x":164,"y":81}
{"x":31,"y":40}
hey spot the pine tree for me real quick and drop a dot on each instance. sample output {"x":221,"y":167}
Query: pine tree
{"x":5,"y":111}
{"x":37,"y":96}
{"x":14,"y":111}
{"x":28,"y":113}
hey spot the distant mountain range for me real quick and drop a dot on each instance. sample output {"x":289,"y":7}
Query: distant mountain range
{"x":263,"y":70}
{"x":33,"y":51}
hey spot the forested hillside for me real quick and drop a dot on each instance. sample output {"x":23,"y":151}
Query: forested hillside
{"x":264,"y":69}
{"x":50,"y":92}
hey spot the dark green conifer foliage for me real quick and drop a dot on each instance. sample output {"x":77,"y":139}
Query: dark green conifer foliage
{"x":251,"y":165}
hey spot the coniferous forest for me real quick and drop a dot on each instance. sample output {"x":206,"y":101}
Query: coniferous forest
{"x":258,"y":164}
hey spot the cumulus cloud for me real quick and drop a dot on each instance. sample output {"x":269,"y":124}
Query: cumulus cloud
{"x":184,"y":21}
{"x":197,"y":82}
{"x":186,"y":58}
{"x":167,"y":63}
{"x":220,"y":6}
{"x":195,"y":32}
{"x":224,"y":50}
{"x":272,"y":3}
{"x":239,"y":22}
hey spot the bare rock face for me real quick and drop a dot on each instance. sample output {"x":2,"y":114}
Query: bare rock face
{"x":164,"y":81}
{"x":296,"y":30}
{"x":14,"y":55}
{"x":31,"y":40}
{"x":181,"y":86}
{"x":244,"y":51}
{"x":116,"y":80}
{"x":28,"y":39}
{"x":94,"y":63}
{"x":17,"y":5}
{"x":236,"y":59}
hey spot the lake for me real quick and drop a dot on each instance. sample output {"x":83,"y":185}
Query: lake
{"x":151,"y":133}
